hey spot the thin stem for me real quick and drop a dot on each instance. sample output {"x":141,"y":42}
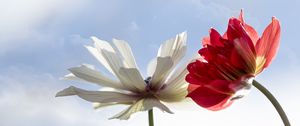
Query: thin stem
{"x":273,"y":100}
{"x":150,"y":117}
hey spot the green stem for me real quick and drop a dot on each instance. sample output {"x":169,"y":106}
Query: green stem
{"x":273,"y":100}
{"x":150,"y":117}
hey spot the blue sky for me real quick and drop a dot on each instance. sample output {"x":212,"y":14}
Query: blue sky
{"x":41,"y":39}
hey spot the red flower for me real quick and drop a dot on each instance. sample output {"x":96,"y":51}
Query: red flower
{"x":229,"y":63}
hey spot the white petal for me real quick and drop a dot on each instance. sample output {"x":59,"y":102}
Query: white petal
{"x":126,"y":52}
{"x":97,"y":96}
{"x":179,"y":54}
{"x":151,"y":67}
{"x":97,"y":105}
{"x":174,"y":48}
{"x":174,"y":95}
{"x":177,"y":79}
{"x":100,"y":58}
{"x":150,"y":103}
{"x":175,"y":89}
{"x":108,"y":56}
{"x":113,"y":60}
{"x":163,"y":68}
{"x":132,"y":79}
{"x":165,"y":48}
{"x":101,"y":44}
{"x":70,"y":76}
{"x":180,"y":47}
{"x":141,"y":105}
{"x":186,"y":104}
{"x":101,"y":105}
{"x":85,"y":73}
{"x":89,"y":66}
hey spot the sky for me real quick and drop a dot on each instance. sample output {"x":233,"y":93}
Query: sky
{"x":41,"y":39}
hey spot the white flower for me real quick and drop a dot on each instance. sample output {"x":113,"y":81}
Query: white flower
{"x":163,"y":84}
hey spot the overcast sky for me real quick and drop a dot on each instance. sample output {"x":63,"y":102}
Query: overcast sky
{"x":41,"y":39}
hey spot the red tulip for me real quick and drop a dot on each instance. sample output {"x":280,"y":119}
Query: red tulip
{"x":229,"y":63}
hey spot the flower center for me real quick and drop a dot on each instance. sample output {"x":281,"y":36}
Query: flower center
{"x":260,"y":62}
{"x":152,"y":91}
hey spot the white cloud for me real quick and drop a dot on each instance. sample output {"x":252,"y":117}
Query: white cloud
{"x":214,"y":9}
{"x":134,"y":26}
{"x":20,"y":20}
{"x":28,"y":99}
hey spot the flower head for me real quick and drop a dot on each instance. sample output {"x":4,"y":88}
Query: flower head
{"x":163,"y":84}
{"x":229,"y":62}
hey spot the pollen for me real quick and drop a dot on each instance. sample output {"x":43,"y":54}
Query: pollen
{"x":260,"y":62}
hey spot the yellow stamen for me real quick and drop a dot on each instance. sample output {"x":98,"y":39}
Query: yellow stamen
{"x":260,"y":62}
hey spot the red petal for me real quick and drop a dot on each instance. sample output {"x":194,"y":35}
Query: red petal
{"x":215,"y":38}
{"x":251,"y":31}
{"x":210,"y":99}
{"x":268,"y":45}
{"x":241,"y":17}
{"x":197,"y":73}
{"x":221,"y":86}
{"x":236,"y":30}
{"x":197,"y":80}
{"x":236,"y":60}
{"x":209,"y":53}
{"x":222,"y":105}
{"x":197,"y":67}
{"x":244,"y":48}
{"x":232,"y":31}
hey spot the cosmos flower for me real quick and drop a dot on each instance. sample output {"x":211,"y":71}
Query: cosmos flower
{"x":163,"y":84}
{"x":229,"y":63}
